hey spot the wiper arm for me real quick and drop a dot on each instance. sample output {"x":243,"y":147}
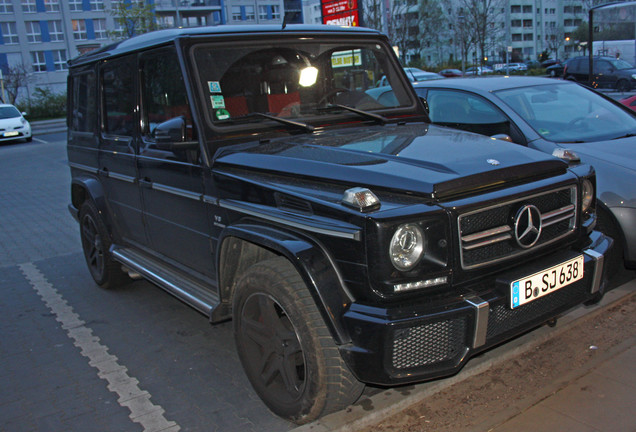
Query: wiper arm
{"x":377,"y":117}
{"x":627,"y":135}
{"x":299,"y":125}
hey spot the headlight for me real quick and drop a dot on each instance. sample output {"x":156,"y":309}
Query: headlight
{"x":587,"y":194}
{"x":407,"y":246}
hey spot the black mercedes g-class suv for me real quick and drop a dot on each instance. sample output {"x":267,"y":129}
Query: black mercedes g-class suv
{"x":251,"y":172}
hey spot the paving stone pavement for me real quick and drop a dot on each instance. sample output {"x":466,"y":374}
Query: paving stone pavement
{"x":189,"y":368}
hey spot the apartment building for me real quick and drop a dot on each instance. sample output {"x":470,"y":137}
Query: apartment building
{"x":42,"y":35}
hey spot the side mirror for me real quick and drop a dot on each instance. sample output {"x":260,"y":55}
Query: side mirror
{"x":171,"y":135}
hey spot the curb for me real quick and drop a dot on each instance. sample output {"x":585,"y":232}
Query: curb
{"x":372,"y":409}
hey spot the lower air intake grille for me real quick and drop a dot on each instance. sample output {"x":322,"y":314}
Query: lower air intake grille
{"x":429,"y":344}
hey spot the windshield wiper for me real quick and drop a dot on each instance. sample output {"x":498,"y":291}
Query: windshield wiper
{"x":299,"y":125}
{"x":366,"y":114}
{"x":627,"y":135}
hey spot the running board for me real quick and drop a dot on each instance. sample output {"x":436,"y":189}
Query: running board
{"x":179,"y":285}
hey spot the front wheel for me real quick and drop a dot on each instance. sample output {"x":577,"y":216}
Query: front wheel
{"x":285,"y":347}
{"x":622,"y":86}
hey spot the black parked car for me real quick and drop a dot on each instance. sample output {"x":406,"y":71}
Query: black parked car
{"x":246,"y":171}
{"x":609,"y":72}
{"x":556,"y":70}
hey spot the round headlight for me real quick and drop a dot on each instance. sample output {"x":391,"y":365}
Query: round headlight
{"x":407,"y":246}
{"x":587,"y":194}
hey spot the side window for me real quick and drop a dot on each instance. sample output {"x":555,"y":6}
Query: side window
{"x":118,"y":84}
{"x":467,"y":111}
{"x":84,"y":103}
{"x":604,"y":67}
{"x":163,"y":91}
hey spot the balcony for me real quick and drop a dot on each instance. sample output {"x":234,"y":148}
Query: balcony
{"x":184,"y":5}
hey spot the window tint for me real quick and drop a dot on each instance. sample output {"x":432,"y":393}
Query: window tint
{"x":84,"y":103}
{"x":466,"y":111}
{"x":163,"y":90}
{"x":118,"y":81}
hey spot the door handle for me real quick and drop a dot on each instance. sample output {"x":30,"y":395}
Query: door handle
{"x":145,"y":182}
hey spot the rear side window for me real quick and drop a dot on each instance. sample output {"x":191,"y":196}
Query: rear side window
{"x":84,"y":103}
{"x":118,"y":81}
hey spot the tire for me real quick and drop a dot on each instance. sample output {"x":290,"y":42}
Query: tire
{"x":615,"y":258}
{"x":622,"y":86}
{"x":29,"y":139}
{"x":96,"y":243}
{"x":286,"y":350}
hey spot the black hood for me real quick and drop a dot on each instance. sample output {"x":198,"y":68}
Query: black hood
{"x":414,"y":158}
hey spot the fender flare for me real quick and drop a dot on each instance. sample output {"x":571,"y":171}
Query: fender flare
{"x":312,"y":261}
{"x":89,"y":188}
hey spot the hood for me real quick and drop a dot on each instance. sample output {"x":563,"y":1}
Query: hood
{"x":621,"y":152}
{"x":420,"y":159}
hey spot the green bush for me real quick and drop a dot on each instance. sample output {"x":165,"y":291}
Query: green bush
{"x":44,"y":104}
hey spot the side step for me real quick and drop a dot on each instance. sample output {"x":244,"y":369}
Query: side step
{"x":184,"y":287}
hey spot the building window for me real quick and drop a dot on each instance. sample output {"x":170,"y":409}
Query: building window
{"x":59,"y":59}
{"x":515,"y":9}
{"x":52,"y":5}
{"x":100,"y":29}
{"x":56,"y":32}
{"x":236,"y":13}
{"x":79,"y":30}
{"x":527,"y":23}
{"x":269,"y":12}
{"x":250,"y":14}
{"x":9,"y":33}
{"x":75,"y":5}
{"x":515,"y":23}
{"x":516,"y":37}
{"x":6,"y":7}
{"x":527,"y":9}
{"x":33,"y":31}
{"x":567,"y":9}
{"x":39,"y":61}
{"x":528,"y":37}
{"x":29,"y":6}
{"x":97,"y":5}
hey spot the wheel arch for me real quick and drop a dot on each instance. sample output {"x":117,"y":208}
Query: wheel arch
{"x":244,"y":245}
{"x":88,"y":188}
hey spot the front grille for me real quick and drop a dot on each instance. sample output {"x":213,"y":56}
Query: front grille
{"x":502,"y":319}
{"x":488,"y":235}
{"x":429,"y":344}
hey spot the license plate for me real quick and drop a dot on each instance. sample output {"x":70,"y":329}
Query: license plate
{"x":10,"y":134}
{"x":540,"y":284}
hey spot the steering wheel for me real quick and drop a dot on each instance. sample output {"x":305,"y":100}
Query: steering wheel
{"x":331,"y":93}
{"x":577,"y":121}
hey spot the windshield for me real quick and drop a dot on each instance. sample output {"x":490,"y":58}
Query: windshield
{"x":621,"y":64}
{"x":569,"y":113}
{"x":303,"y":80}
{"x":9,"y":112}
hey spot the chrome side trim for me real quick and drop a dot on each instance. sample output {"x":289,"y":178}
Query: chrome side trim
{"x":341,"y":233}
{"x":83,"y":167}
{"x":482,"y":310}
{"x":178,"y":192}
{"x":210,"y":200}
{"x":121,"y":177}
{"x":598,"y":269}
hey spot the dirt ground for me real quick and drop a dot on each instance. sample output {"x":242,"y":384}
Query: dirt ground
{"x":486,"y":400}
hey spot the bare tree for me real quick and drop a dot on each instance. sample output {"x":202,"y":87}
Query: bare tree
{"x":554,"y":39}
{"x":134,"y":18}
{"x":15,"y":77}
{"x":481,"y":18}
{"x":432,"y":25}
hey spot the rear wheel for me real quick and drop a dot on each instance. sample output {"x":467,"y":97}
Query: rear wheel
{"x":286,"y":350}
{"x":96,"y":243}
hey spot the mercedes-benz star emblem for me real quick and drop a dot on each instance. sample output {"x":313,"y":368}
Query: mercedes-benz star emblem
{"x":527,"y":226}
{"x":493,"y":162}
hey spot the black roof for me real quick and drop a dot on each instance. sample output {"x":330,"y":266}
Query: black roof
{"x":161,"y":37}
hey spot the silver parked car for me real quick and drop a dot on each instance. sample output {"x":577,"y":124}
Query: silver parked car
{"x":558,"y":117}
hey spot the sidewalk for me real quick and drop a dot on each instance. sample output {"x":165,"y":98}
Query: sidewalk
{"x":578,"y":376}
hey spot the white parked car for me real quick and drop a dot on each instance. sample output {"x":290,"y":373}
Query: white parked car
{"x":13,"y":125}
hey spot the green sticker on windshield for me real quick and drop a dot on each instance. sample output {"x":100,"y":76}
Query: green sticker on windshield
{"x":222,"y":114}
{"x":217,"y":101}
{"x":544,"y":132}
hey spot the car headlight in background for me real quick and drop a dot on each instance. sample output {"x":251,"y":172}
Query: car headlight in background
{"x":407,"y":246}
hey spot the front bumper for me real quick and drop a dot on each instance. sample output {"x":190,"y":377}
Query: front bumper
{"x":413,"y":343}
